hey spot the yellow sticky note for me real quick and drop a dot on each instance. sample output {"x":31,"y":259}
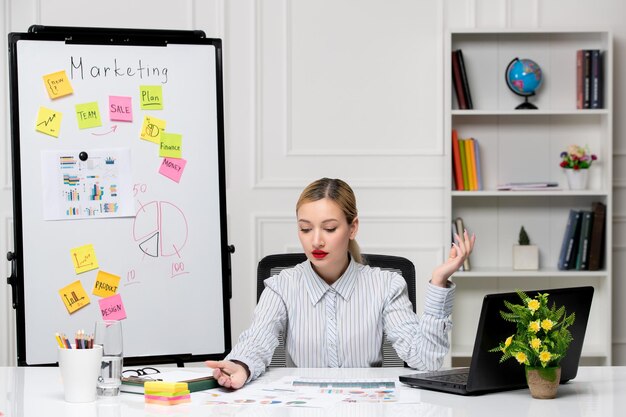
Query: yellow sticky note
{"x":74,"y":296}
{"x":57,"y":84}
{"x":151,"y":97}
{"x":171,"y":145}
{"x":84,"y":258}
{"x":151,"y":129}
{"x":106,"y":284}
{"x":48,"y":121}
{"x":88,"y":115}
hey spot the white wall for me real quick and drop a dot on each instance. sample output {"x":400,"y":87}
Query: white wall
{"x":343,"y":88}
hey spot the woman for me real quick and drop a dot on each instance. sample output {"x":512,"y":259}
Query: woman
{"x":333,"y":308}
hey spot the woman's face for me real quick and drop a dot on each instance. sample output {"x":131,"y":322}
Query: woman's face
{"x":324,"y":234}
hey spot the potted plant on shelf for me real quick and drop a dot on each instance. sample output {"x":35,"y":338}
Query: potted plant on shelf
{"x":576,"y":162}
{"x":525,"y":255}
{"x":540,"y":341}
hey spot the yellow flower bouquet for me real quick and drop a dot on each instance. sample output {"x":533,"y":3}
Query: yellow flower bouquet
{"x":542,"y":337}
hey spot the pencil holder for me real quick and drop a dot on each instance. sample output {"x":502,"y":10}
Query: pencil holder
{"x":79,"y":370}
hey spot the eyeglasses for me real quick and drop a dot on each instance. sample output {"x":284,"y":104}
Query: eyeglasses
{"x":141,"y":373}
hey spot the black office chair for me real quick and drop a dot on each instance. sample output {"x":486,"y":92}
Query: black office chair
{"x":273,"y":264}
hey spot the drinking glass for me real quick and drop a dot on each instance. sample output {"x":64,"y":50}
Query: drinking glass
{"x":108,"y":334}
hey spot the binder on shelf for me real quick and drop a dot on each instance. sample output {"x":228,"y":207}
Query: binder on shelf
{"x":456,"y":81}
{"x":596,"y":244}
{"x":582,"y":258}
{"x":464,"y":81}
{"x":460,"y":227}
{"x":456,"y":162}
{"x":567,"y":256}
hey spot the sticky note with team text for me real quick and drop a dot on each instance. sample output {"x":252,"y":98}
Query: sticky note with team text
{"x":88,"y":115}
{"x":57,"y":84}
{"x":74,"y":296}
{"x":106,"y":284}
{"x":112,"y":308}
{"x":171,"y":145}
{"x":84,"y":258}
{"x":151,"y":129}
{"x":48,"y":121}
{"x":151,"y":97}
{"x":121,"y":108}
{"x":173,"y":168}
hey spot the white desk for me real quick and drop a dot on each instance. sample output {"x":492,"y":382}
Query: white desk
{"x":596,"y":391}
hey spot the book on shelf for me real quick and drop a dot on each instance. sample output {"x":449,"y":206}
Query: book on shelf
{"x":567,"y":256}
{"x":589,"y":79}
{"x":456,"y":162}
{"x":586,"y":79}
{"x":582,"y":258}
{"x":471,"y":166}
{"x":457,"y":82}
{"x":464,"y":80}
{"x":529,"y":186}
{"x":597,"y":92}
{"x":196,"y":381}
{"x":580,"y":78}
{"x":479,"y":176}
{"x":464,"y":167}
{"x":458,"y":227}
{"x":596,"y":244}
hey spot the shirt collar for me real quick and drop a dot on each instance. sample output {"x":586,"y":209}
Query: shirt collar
{"x":317,"y":287}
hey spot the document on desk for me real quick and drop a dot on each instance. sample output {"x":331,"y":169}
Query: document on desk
{"x":307,"y":392}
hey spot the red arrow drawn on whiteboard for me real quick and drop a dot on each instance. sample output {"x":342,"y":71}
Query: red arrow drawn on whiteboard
{"x":113,"y":128}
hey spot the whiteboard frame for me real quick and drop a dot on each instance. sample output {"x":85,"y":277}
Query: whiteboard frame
{"x":111,"y":36}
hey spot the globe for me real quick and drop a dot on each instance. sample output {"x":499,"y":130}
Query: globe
{"x":524,"y":77}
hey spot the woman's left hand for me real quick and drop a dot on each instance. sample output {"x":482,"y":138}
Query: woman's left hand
{"x":460,"y":251}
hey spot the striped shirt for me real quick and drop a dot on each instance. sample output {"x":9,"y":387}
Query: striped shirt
{"x":342,"y":325}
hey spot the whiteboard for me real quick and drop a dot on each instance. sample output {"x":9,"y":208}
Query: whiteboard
{"x":168,"y":246}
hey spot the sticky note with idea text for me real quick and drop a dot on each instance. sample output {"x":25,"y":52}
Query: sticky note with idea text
{"x":48,"y":121}
{"x":57,"y":84}
{"x":151,"y":129}
{"x":112,"y":308}
{"x":171,"y":145}
{"x":84,"y":258}
{"x":173,"y":168}
{"x":106,"y":284}
{"x":151,"y":97}
{"x":74,"y":296}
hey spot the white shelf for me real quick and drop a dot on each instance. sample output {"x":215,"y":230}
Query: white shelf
{"x":507,"y":272}
{"x":539,"y":112}
{"x":516,"y":194}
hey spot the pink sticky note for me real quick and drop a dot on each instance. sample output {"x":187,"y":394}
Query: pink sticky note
{"x":112,"y":308}
{"x":173,"y":168}
{"x":120,"y":108}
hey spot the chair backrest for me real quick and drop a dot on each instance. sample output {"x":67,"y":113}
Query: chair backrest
{"x":273,"y":264}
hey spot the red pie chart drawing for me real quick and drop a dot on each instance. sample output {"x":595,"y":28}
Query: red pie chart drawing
{"x":161,"y":229}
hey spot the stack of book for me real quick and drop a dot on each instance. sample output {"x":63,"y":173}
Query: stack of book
{"x":529,"y":186}
{"x":466,"y":164}
{"x":589,"y":79}
{"x":459,"y":81}
{"x":583,"y":241}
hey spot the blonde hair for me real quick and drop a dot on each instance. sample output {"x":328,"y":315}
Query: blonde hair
{"x":339,"y":192}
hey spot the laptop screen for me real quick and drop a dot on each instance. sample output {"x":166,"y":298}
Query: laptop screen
{"x":486,"y":371}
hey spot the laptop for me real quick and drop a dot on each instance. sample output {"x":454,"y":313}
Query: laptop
{"x":486,"y":373}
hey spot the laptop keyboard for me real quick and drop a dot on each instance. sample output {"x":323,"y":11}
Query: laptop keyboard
{"x":452,"y":378}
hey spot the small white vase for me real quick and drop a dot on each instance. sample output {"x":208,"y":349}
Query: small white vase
{"x":577,"y":179}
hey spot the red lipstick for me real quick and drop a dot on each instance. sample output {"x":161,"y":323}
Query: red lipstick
{"x":319,"y":254}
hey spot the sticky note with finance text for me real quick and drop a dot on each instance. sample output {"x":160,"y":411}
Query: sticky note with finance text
{"x":84,"y":258}
{"x":57,"y":84}
{"x":48,"y":121}
{"x":106,"y":284}
{"x":151,"y":97}
{"x":88,"y":115}
{"x":112,"y":308}
{"x":171,"y":145}
{"x":74,"y":296}
{"x":151,"y":129}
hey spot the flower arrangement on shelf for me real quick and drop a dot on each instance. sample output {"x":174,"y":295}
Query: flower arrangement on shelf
{"x":542,"y":337}
{"x":576,"y":157}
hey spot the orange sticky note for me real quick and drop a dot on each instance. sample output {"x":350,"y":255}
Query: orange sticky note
{"x":106,"y":284}
{"x":74,"y":296}
{"x":57,"y":84}
{"x":84,"y":258}
{"x":48,"y":121}
{"x":151,"y":129}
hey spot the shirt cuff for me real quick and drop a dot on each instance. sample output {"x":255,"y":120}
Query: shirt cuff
{"x":439,"y":301}
{"x":247,"y":362}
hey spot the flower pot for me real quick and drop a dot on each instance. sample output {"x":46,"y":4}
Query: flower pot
{"x":526,"y":257}
{"x":577,"y":179}
{"x":543,"y":382}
